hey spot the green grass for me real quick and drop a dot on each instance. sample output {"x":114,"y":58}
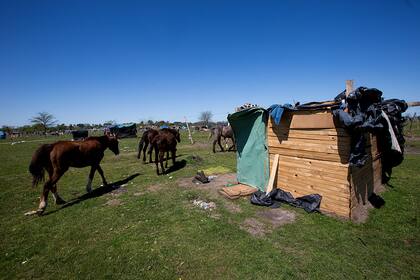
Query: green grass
{"x":412,"y":129}
{"x":159,"y":235}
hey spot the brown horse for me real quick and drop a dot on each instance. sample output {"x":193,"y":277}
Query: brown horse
{"x":221,"y":131}
{"x":145,"y":140}
{"x":165,"y":141}
{"x":56,"y":159}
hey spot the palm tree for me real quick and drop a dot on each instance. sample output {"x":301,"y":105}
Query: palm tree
{"x":44,"y":120}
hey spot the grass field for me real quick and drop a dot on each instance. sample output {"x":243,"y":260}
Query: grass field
{"x":150,"y":229}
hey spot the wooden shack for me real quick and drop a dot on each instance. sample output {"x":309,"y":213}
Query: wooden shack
{"x":313,"y":151}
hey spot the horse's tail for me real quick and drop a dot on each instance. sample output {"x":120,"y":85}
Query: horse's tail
{"x":40,"y":160}
{"x":141,"y":143}
{"x":211,"y":133}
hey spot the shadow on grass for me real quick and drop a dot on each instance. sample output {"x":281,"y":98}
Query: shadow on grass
{"x":95,"y":193}
{"x":178,"y":165}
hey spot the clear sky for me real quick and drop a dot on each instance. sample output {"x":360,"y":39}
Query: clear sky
{"x":88,"y":61}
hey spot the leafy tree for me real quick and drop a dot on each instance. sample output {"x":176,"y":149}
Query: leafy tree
{"x":44,"y":120}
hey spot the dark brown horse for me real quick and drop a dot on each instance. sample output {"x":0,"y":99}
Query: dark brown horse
{"x":145,"y":140}
{"x":221,"y":131}
{"x":56,"y":159}
{"x":165,"y":141}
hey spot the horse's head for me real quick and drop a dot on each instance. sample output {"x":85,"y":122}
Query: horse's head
{"x":113,"y":144}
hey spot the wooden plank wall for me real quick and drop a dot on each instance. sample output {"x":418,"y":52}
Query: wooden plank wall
{"x":313,"y":158}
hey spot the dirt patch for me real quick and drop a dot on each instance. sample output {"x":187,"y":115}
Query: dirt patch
{"x":138,"y":193}
{"x":277,"y":217}
{"x":117,"y":192}
{"x":254,"y":227}
{"x":154,"y":188}
{"x":194,"y":159}
{"x":232,"y":207}
{"x":113,"y":202}
{"x":213,"y":186}
{"x":201,"y":145}
{"x":411,"y":150}
{"x":267,"y":220}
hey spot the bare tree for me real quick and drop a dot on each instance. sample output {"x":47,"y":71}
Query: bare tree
{"x":44,"y":120}
{"x":205,"y":117}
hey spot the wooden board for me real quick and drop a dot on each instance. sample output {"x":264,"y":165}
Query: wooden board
{"x":318,"y":155}
{"x":335,"y":168}
{"x":273,"y":173}
{"x":309,"y":119}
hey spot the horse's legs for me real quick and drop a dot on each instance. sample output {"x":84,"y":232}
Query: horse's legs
{"x":150,"y":151}
{"x":220,"y":145}
{"x":161,"y":155}
{"x":47,"y":187}
{"x":233,"y":145}
{"x":101,"y":172}
{"x":140,"y":149}
{"x":156,"y":160}
{"x":167,"y":158}
{"x":144,"y":154}
{"x":90,"y":178}
{"x":44,"y":198}
{"x":145,"y":145}
{"x":57,"y":198}
{"x":214,"y":145}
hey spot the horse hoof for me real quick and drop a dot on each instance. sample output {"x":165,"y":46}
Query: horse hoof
{"x":60,"y":202}
{"x":31,"y":213}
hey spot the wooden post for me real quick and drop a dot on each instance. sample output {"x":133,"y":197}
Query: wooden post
{"x":189,"y":131}
{"x":273,"y":174}
{"x":349,"y":86}
{"x":413,"y":104}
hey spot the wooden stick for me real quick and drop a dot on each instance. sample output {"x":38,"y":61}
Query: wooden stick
{"x":273,"y":173}
{"x":349,"y":86}
{"x":189,"y":131}
{"x":413,"y":104}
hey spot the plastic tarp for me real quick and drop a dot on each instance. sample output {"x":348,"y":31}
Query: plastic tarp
{"x":249,"y":128}
{"x":124,"y":130}
{"x":2,"y":134}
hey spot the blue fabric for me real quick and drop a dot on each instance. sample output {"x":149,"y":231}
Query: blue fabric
{"x":276,"y":111}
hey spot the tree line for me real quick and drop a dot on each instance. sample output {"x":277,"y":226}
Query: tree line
{"x":45,"y":123}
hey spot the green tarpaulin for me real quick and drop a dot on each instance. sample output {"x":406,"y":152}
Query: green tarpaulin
{"x":249,"y":127}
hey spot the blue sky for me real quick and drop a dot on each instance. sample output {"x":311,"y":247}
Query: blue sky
{"x":91,"y":61}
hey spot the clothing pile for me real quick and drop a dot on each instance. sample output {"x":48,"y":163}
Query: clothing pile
{"x":364,"y":110}
{"x":246,"y":106}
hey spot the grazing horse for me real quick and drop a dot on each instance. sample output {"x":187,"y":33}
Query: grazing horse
{"x":165,"y":141}
{"x":145,"y":140}
{"x":221,"y":131}
{"x":56,"y":159}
